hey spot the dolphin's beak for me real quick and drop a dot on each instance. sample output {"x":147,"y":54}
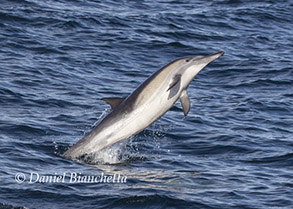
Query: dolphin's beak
{"x":207,"y":59}
{"x":199,"y":62}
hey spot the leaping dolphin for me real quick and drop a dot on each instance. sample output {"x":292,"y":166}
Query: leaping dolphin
{"x":152,"y":99}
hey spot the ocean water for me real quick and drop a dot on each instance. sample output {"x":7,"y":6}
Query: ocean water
{"x":233,"y":150}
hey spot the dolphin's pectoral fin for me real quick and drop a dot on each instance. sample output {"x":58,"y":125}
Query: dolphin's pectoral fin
{"x":174,"y":86}
{"x":113,"y":101}
{"x":185,"y":102}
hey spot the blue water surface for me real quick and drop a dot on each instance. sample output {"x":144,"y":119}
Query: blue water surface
{"x":233,"y":150}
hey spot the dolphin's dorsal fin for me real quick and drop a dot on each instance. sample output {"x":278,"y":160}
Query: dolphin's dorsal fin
{"x":184,"y":100}
{"x":174,"y":86}
{"x":113,"y":101}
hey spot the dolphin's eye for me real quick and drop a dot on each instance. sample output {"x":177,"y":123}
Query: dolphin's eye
{"x":187,"y":60}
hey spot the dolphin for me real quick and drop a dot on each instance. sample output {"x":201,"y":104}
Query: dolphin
{"x":152,"y":99}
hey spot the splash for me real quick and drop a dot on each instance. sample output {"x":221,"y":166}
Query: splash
{"x":136,"y":148}
{"x":119,"y":153}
